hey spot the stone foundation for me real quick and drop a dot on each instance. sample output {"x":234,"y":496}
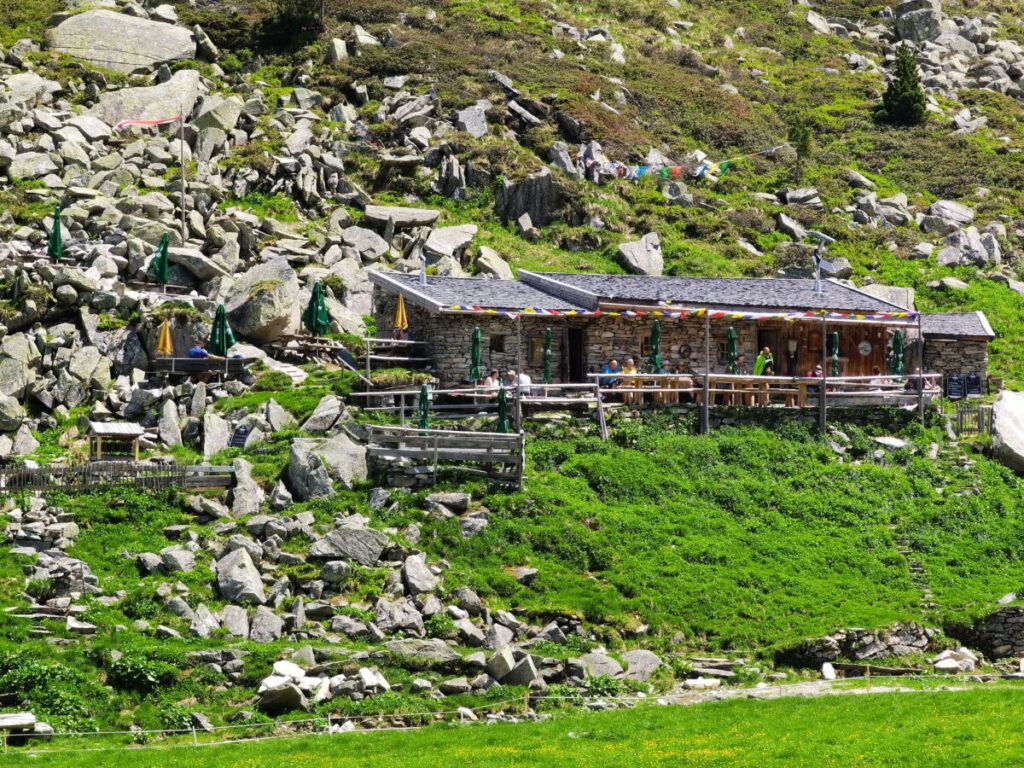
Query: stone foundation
{"x":1001,"y":634}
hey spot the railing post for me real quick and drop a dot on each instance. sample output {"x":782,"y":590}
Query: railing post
{"x":822,"y":389}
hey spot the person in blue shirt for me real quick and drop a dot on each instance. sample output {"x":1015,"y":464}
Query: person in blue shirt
{"x":612,"y":367}
{"x":198,"y":352}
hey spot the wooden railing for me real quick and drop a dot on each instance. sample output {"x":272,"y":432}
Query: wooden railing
{"x":439,"y":446}
{"x":100,"y":473}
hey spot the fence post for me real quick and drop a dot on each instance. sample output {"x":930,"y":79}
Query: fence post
{"x":195,"y":739}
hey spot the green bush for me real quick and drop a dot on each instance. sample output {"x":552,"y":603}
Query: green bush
{"x":273,"y":381}
{"x":142,"y":675}
{"x":439,"y":625}
{"x":904,"y":100}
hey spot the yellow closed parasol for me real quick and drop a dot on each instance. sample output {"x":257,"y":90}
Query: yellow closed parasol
{"x":401,"y":320}
{"x":164,"y":345}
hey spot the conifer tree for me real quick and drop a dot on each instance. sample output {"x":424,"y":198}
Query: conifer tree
{"x":904,"y":99}
{"x":799,"y":138}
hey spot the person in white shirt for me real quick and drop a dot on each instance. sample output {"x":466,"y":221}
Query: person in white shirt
{"x":523,"y":382}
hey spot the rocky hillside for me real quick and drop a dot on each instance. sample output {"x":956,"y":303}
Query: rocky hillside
{"x":276,"y":146}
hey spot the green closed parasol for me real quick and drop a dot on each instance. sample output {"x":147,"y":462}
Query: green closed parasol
{"x":897,"y":353}
{"x":475,"y":369}
{"x":503,"y":426}
{"x":54,"y":245}
{"x":315,"y":317}
{"x":547,"y":355}
{"x":424,"y":420}
{"x":835,"y":354}
{"x":221,"y":337}
{"x":730,"y":350}
{"x":160,"y":261}
{"x":655,"y":359}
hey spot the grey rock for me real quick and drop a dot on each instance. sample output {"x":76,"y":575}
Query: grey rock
{"x":216,"y":434}
{"x":643,"y":257}
{"x":11,"y":413}
{"x":523,"y":673}
{"x":263,"y":302}
{"x":490,"y":264}
{"x":400,"y":615}
{"x":306,"y":473}
{"x":497,"y":637}
{"x":417,"y":576}
{"x":282,"y":699}
{"x":449,"y":241}
{"x":204,"y":623}
{"x":641,"y":665}
{"x":344,"y":458}
{"x":170,"y":432}
{"x":454,"y":686}
{"x":266,"y":626}
{"x":364,"y":545}
{"x":403,"y":218}
{"x":433,"y":650}
{"x":236,"y":621}
{"x":32,"y":165}
{"x":324,"y":416}
{"x":149,"y":103}
{"x":247,"y":495}
{"x":238,"y":579}
{"x":501,"y":663}
{"x":177,"y":559}
{"x":537,"y":195}
{"x":952,"y":212}
{"x":790,"y":226}
{"x":472,"y":120}
{"x":469,"y":633}
{"x":218,"y":112}
{"x":120,"y":42}
{"x":600,"y":664}
{"x":1008,"y":429}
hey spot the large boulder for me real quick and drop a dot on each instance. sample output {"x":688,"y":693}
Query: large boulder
{"x":434,"y":650}
{"x":364,"y":545}
{"x":449,"y":241}
{"x":247,"y":495}
{"x":642,"y":664}
{"x":537,"y":195}
{"x":283,"y":698}
{"x":643,"y":256}
{"x":155,"y":102}
{"x":600,"y":664}
{"x":307,"y":474}
{"x":11,"y":414}
{"x":417,"y":576}
{"x":952,"y":212}
{"x":919,"y":20}
{"x":32,"y":165}
{"x":266,"y":625}
{"x":344,"y":458}
{"x":219,"y":112}
{"x":1008,"y":429}
{"x":122,"y":43}
{"x":264,"y":301}
{"x":238,"y":579}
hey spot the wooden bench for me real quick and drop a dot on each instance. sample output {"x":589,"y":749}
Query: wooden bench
{"x":438,"y":445}
{"x":190,"y":366}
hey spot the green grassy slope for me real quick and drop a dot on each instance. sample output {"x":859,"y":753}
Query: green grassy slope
{"x":973,"y":729}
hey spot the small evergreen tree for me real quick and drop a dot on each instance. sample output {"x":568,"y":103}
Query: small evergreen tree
{"x":904,"y":100}
{"x":799,"y":137}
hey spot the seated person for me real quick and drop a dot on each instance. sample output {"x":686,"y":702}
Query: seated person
{"x":493,"y":380}
{"x":878,"y":379}
{"x":741,"y":365}
{"x":916,"y":384}
{"x":632,"y":397}
{"x":612,"y":367}
{"x":509,"y":379}
{"x":198,"y":352}
{"x":523,"y":383}
{"x":816,"y":373}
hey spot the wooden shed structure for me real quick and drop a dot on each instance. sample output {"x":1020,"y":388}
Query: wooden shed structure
{"x":123,"y":434}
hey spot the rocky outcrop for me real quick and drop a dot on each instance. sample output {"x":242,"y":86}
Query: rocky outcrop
{"x":156,"y":102}
{"x":537,"y":195}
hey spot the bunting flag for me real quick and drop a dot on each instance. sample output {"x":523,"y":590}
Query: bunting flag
{"x":707,"y":168}
{"x":677,"y":313}
{"x":126,"y":123}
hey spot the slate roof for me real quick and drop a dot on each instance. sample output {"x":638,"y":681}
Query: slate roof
{"x":474,"y":291}
{"x":720,"y":292}
{"x":956,"y":325}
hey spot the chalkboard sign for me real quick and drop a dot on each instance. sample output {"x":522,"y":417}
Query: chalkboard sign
{"x":973,"y":381}
{"x":955,"y":387}
{"x":238,"y":439}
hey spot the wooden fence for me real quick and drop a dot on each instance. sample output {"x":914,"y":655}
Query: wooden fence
{"x":95,"y":474}
{"x":506,"y":452}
